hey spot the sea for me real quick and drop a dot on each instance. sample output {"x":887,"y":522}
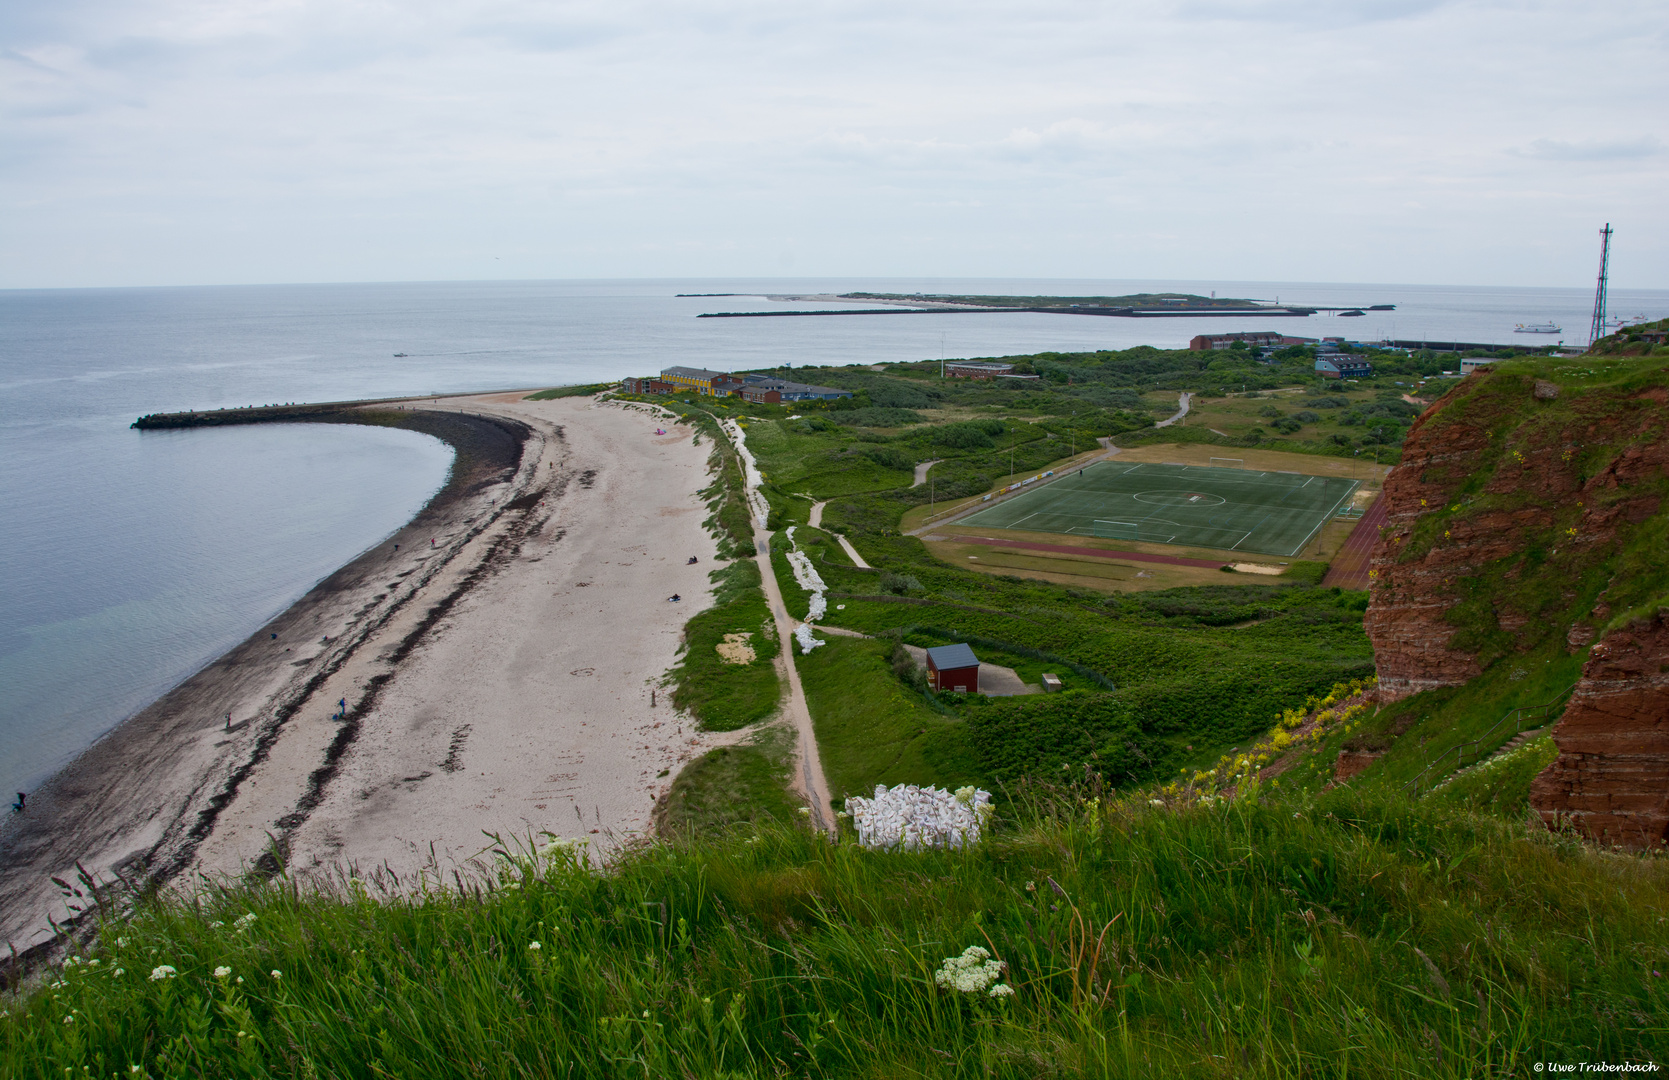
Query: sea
{"x":129,"y":560}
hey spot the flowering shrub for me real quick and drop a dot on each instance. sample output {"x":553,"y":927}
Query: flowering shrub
{"x":974,"y":972}
{"x":912,"y":817}
{"x":1295,"y":727}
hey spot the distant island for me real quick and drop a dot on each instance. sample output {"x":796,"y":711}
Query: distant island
{"x":1169,"y":301}
{"x":1132,"y":306}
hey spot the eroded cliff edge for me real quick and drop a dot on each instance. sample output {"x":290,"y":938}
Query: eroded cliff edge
{"x":1529,"y":513}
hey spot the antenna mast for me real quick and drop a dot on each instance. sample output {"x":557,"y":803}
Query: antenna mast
{"x":1598,"y":330}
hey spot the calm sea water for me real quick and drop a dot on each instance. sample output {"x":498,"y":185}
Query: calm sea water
{"x":128,"y":560}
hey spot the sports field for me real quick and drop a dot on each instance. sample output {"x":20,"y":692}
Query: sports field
{"x":1232,"y":509}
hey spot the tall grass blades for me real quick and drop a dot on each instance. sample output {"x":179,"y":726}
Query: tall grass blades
{"x":1344,"y":936}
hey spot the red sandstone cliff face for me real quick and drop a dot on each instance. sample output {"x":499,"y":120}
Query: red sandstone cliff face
{"x":1526,"y":516}
{"x":1547,"y":490}
{"x":1611,"y":779}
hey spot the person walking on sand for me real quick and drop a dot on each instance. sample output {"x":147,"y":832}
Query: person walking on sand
{"x":17,"y":807}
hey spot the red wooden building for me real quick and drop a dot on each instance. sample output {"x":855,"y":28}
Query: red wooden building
{"x":953,"y":667}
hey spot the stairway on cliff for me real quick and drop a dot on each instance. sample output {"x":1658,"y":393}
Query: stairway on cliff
{"x":1508,"y":747}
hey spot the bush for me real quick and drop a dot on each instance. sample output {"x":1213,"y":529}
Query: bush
{"x":1306,"y":573}
{"x":876,"y":417}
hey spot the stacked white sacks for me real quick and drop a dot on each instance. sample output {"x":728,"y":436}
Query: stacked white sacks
{"x":751,"y":476}
{"x":913,"y":817}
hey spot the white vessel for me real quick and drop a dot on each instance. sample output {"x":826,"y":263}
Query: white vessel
{"x":1538,"y":328}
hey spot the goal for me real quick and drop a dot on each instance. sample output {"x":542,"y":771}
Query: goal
{"x":1228,"y":463}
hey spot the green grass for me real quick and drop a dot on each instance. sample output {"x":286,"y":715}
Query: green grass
{"x":872,"y":729}
{"x":731,"y":786}
{"x":722,"y":695}
{"x":1232,"y":509}
{"x":1275,"y":938}
{"x":1500,"y":785}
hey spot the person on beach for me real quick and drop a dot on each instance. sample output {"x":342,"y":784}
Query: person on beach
{"x":674,"y":598}
{"x":17,"y":807}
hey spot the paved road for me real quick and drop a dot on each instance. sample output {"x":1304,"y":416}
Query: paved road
{"x":921,"y":471}
{"x":1182,"y":411}
{"x":816,"y":522}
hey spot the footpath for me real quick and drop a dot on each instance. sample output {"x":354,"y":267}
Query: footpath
{"x":811,"y":782}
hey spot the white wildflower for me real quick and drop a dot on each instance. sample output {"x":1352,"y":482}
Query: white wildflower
{"x":119,"y":971}
{"x":121,"y":943}
{"x":222,"y":972}
{"x":74,"y":961}
{"x":69,"y":1019}
{"x":912,"y":817}
{"x":244,"y":921}
{"x":534,"y":946}
{"x":972,"y":973}
{"x":94,"y":962}
{"x":162,"y":971}
{"x":277,"y":974}
{"x":1001,"y":990}
{"x":1156,"y":802}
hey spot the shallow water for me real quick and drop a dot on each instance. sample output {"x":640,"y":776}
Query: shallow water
{"x":128,"y":559}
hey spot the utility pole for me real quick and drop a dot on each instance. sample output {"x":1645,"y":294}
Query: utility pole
{"x":1598,"y":330}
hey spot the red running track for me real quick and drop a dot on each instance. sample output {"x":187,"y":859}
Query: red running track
{"x":1099,"y":553}
{"x":1350,"y":566}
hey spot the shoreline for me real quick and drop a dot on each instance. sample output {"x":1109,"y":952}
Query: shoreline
{"x":156,"y":796}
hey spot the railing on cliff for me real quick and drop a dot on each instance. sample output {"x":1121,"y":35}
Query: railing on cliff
{"x":1522,"y":718}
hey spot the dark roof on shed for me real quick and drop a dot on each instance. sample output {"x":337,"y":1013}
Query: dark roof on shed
{"x":951,"y":657}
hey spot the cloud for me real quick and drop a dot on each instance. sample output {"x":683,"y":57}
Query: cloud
{"x":1593,"y":150}
{"x":253,"y":140}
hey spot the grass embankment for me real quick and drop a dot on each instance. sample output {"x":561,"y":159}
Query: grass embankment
{"x":1273,"y":937}
{"x":732,"y":785}
{"x":730,"y":692}
{"x":570,"y":391}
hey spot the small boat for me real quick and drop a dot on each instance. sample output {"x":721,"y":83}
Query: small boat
{"x":399,"y":354}
{"x":1351,"y":314}
{"x":1538,"y":328}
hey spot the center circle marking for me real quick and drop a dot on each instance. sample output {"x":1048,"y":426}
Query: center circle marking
{"x":1179,"y":498}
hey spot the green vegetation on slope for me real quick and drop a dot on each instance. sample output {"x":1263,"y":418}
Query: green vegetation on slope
{"x":730,"y":786}
{"x":722,"y":694}
{"x":1255,"y":938}
{"x":873,"y":728}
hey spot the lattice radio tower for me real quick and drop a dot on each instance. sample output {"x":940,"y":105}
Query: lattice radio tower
{"x":1598,"y":330}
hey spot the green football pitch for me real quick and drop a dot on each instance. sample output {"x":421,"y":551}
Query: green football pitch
{"x":1271,"y":513}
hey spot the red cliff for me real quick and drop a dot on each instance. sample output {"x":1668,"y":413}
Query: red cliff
{"x":1529,"y":511}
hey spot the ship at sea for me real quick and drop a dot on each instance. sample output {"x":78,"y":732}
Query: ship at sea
{"x":1538,"y":328}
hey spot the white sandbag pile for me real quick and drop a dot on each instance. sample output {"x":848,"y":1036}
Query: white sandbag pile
{"x":751,"y":476}
{"x":807,"y":577}
{"x":912,"y":817}
{"x":802,"y":634}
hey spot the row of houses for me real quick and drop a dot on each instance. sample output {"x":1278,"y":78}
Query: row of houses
{"x":759,"y":389}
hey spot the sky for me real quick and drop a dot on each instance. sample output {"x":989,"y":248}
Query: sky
{"x":166,"y":142}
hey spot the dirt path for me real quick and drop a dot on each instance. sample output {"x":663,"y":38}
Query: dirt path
{"x":809,"y":781}
{"x":921,"y":471}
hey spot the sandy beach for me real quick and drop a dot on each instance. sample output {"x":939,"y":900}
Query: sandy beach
{"x":499,"y":672}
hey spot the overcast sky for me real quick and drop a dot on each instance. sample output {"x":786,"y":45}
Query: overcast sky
{"x":215,"y":141}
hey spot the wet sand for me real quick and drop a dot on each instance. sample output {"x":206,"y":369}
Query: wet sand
{"x":499,"y":681}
